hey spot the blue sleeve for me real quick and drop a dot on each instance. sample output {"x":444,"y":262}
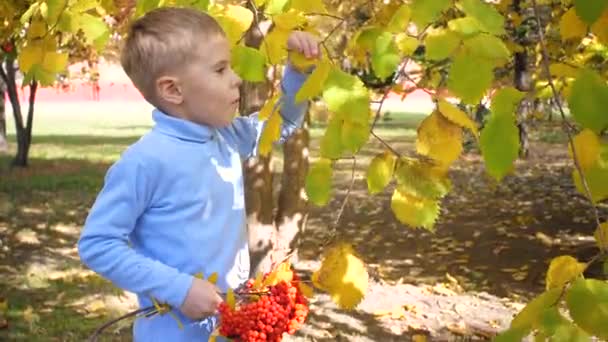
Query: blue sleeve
{"x":103,"y":244}
{"x":244,"y":133}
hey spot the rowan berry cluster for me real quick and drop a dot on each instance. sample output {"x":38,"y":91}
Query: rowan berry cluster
{"x":281,"y":309}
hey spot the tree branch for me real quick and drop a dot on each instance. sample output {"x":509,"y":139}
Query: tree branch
{"x":545,"y":64}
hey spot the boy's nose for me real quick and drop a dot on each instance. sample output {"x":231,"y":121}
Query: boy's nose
{"x":237,"y":81}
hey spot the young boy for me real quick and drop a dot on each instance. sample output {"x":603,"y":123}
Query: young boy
{"x":173,"y":204}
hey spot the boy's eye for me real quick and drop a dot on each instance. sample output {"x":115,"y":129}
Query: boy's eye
{"x":221,"y":70}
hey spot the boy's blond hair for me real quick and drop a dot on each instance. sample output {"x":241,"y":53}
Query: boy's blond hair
{"x":163,"y":40}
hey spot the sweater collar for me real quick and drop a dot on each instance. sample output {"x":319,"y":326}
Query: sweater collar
{"x":181,"y":128}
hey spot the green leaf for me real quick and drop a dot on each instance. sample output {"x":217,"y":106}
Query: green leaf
{"x":380,"y":172}
{"x":488,"y":46}
{"x":489,"y":18}
{"x":587,"y":301}
{"x":144,"y":6}
{"x":414,"y":211}
{"x":366,"y":39}
{"x":511,"y":335}
{"x":84,"y":5}
{"x":346,"y":95}
{"x":385,"y":56}
{"x":466,"y":26}
{"x":590,"y":10}
{"x":505,"y":101}
{"x":596,"y":177}
{"x":93,"y":27}
{"x":54,"y":9}
{"x":441,"y":43}
{"x":425,"y":11}
{"x":418,"y":179}
{"x":499,"y":144}
{"x":354,"y":135}
{"x":318,"y":182}
{"x":27,"y":15}
{"x":562,"y":270}
{"x":588,"y":101}
{"x":469,"y":78}
{"x":274,"y":7}
{"x":249,"y":63}
{"x":314,"y":83}
{"x":67,"y":23}
{"x":400,"y":19}
{"x":531,"y":315}
{"x":331,"y":142}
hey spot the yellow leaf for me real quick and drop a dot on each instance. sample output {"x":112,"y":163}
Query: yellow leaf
{"x":309,"y":6}
{"x":213,"y":278}
{"x":199,"y":275}
{"x":231,"y":298}
{"x":37,"y":29}
{"x":235,"y":20}
{"x":343,"y":275}
{"x":600,"y":28}
{"x":31,"y":55}
{"x":587,"y":148}
{"x":419,"y":338}
{"x":414,"y":211}
{"x":601,"y":236}
{"x":457,"y":116}
{"x":269,"y":107}
{"x":571,"y":26}
{"x":281,"y":273}
{"x":563,"y":70}
{"x":439,"y":139}
{"x":289,"y":20}
{"x":406,"y":44}
{"x":562,"y":270}
{"x":55,"y":62}
{"x":306,"y":290}
{"x":271,"y":133}
{"x":284,"y":273}
{"x":274,"y":46}
{"x":259,"y":278}
{"x":314,"y":83}
{"x":301,"y":62}
{"x":29,"y":316}
{"x":96,"y":305}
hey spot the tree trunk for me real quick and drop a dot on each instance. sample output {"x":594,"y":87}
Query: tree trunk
{"x":291,"y":211}
{"x":24,"y":132}
{"x":272,"y":232}
{"x":523,"y":82}
{"x":3,"y":138}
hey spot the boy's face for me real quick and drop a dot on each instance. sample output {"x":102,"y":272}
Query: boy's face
{"x":210,"y":87}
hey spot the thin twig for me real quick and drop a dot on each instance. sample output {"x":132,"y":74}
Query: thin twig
{"x":350,"y":188}
{"x":387,"y":145}
{"x":325,"y":15}
{"x":556,"y":97}
{"x":100,"y":330}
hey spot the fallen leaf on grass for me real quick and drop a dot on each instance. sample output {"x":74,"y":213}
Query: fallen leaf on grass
{"x":96,"y":305}
{"x":459,"y":328}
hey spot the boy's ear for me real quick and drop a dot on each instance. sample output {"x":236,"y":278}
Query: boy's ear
{"x":168,"y":89}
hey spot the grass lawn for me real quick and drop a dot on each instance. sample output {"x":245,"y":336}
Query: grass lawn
{"x":45,"y":293}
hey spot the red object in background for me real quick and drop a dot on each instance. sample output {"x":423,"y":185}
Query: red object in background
{"x":7,"y":47}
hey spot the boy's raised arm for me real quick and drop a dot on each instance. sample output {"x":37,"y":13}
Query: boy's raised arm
{"x":244,"y":133}
{"x":103,"y":244}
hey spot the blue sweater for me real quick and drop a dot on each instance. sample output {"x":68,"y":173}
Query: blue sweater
{"x":173,"y":206}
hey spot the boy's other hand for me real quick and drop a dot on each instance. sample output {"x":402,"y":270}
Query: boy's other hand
{"x":305,"y":43}
{"x":202,"y":300}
